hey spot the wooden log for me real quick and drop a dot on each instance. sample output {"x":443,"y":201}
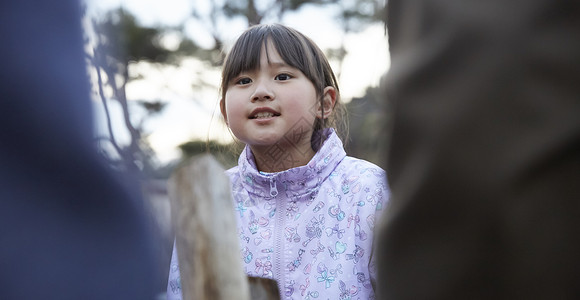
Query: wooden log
{"x":206,"y":236}
{"x":205,"y":226}
{"x":263,"y":288}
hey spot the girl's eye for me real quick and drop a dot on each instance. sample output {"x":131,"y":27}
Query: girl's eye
{"x":244,"y":80}
{"x":282,"y":77}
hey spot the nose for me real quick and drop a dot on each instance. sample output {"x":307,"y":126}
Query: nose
{"x":262,"y":92}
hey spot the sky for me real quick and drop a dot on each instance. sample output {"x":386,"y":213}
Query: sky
{"x":192,"y":113}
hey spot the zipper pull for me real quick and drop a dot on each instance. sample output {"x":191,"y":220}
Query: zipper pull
{"x":273,"y":189}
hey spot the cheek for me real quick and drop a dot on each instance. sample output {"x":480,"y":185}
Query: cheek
{"x":233,"y":111}
{"x":227,"y":104}
{"x":307,"y":104}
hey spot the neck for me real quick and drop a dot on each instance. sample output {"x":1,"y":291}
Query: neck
{"x":281,"y":156}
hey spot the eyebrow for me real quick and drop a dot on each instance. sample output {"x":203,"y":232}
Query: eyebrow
{"x":278,"y":64}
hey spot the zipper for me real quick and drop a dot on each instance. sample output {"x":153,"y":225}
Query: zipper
{"x":273,"y":188}
{"x":279,"y":229}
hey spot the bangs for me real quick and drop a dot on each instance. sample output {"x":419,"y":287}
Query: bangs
{"x":245,"y":55}
{"x":295,"y":49}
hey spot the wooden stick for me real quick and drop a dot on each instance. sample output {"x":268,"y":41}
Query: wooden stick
{"x":263,"y":288}
{"x":205,"y":225}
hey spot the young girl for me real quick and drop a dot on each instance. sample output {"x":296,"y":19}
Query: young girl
{"x":306,"y":211}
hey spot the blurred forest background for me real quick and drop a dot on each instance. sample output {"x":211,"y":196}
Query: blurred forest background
{"x":117,"y":44}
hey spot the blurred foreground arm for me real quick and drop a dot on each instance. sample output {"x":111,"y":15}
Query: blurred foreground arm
{"x":68,"y":230}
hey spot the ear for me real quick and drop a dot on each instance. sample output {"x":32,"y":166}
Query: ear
{"x":223,"y":110}
{"x":328,"y":101}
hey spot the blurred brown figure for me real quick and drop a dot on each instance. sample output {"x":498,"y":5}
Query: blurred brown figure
{"x":484,"y":157}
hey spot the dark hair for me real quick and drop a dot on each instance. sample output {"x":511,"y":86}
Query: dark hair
{"x":298,"y":51}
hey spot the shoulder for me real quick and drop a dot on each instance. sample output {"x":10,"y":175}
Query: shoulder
{"x":232,"y":171}
{"x":363,"y":183}
{"x":233,"y":175}
{"x":361,"y":167}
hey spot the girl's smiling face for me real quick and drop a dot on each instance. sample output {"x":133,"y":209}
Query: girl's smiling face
{"x":275,"y":104}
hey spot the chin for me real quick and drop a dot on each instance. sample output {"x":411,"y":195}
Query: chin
{"x":264,"y":141}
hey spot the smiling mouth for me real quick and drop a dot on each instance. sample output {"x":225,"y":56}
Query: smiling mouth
{"x":264,"y":115}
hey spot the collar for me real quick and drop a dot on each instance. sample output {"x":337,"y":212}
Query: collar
{"x":295,"y":182}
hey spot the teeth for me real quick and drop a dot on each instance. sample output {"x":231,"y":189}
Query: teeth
{"x":263,"y":115}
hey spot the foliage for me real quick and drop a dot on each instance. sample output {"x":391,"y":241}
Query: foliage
{"x":227,"y":155}
{"x":367,"y":125}
{"x":117,"y":41}
{"x":124,"y":40}
{"x":353,"y":16}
